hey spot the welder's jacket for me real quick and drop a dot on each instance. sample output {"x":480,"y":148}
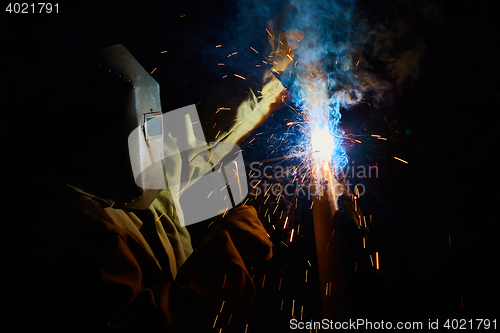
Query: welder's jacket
{"x":102,"y":267}
{"x":92,"y":267}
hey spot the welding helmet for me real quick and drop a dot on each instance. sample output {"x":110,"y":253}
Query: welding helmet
{"x":104,"y":97}
{"x":122,"y":143}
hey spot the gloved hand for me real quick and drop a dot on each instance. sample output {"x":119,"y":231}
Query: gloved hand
{"x":247,"y":234}
{"x":284,"y":39}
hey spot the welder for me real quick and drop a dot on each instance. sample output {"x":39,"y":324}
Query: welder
{"x":106,"y":250}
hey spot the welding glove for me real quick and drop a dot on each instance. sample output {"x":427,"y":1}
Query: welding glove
{"x":284,"y":40}
{"x":247,"y":234}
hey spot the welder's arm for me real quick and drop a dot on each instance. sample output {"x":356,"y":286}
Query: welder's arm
{"x":243,"y":108}
{"x":212,"y":290}
{"x":246,"y":112}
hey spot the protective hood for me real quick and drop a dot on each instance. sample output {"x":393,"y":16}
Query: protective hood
{"x":105,"y":97}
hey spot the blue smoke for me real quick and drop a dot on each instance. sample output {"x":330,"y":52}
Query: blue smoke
{"x":352,"y":52}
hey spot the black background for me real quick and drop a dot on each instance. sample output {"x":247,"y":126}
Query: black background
{"x":446,"y":123}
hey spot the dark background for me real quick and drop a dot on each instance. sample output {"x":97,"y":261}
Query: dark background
{"x":445,"y":127}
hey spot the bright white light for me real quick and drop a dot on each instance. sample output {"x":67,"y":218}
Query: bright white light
{"x":322,"y":143}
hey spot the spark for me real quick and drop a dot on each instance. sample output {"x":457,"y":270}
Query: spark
{"x":269,"y":33}
{"x":286,"y":221}
{"x":163,"y":51}
{"x":399,"y":159}
{"x":293,"y":306}
{"x":263,"y":280}
{"x":257,"y":183}
{"x":210,"y":194}
{"x":218,"y":46}
{"x":153,"y":70}
{"x":159,"y":216}
{"x":289,"y":57}
{"x":224,"y":283}
{"x":217,"y":134}
{"x":290,"y":123}
{"x":215,"y":322}
{"x":376,"y":259}
{"x":221,"y":64}
{"x":279,"y":287}
{"x":291,"y":236}
{"x":267,"y":198}
{"x":254,"y":50}
{"x":222,"y":306}
{"x":306,"y":275}
{"x":241,"y":77}
{"x":380,"y":138}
